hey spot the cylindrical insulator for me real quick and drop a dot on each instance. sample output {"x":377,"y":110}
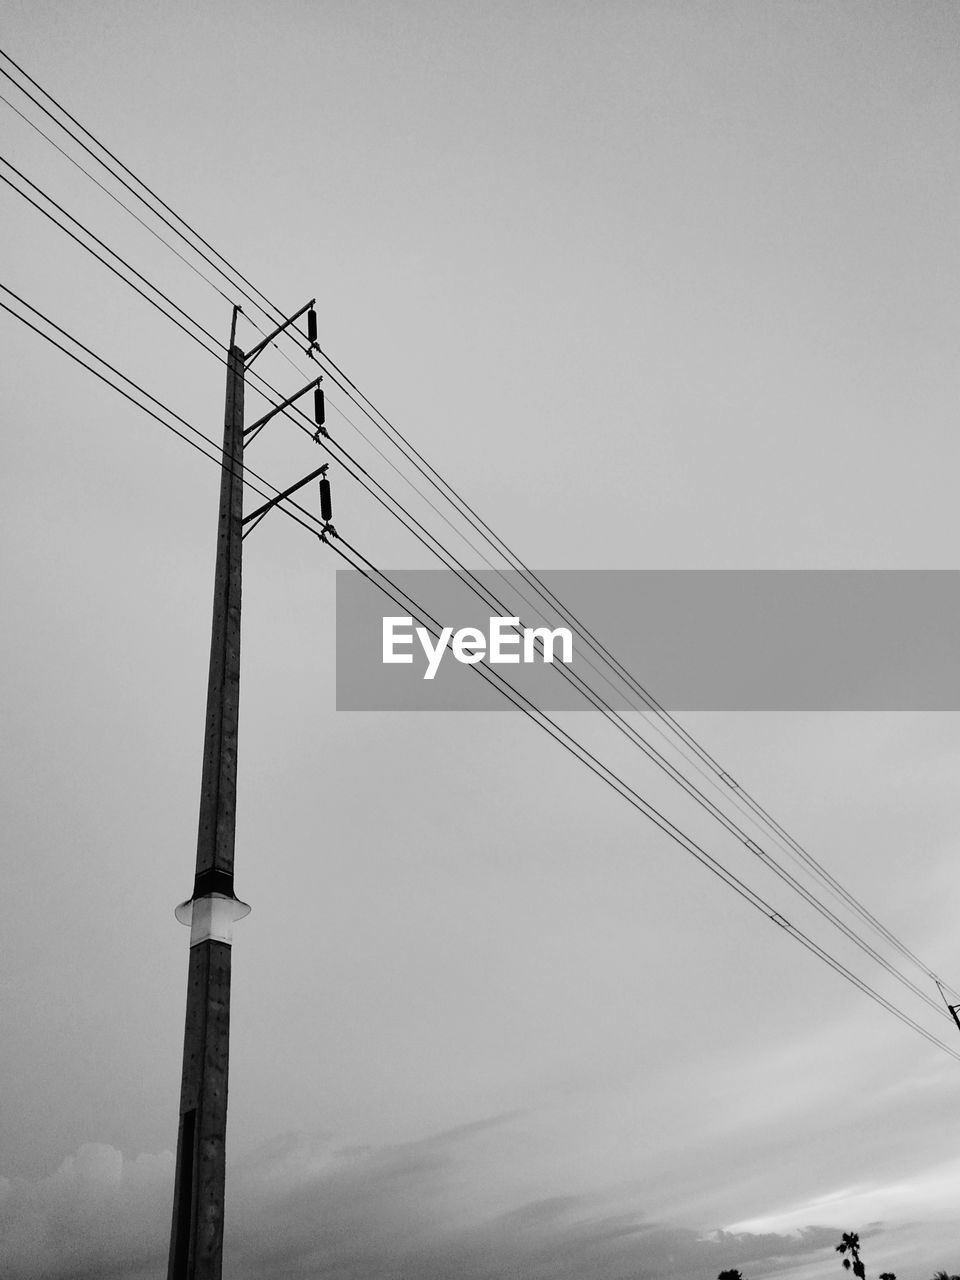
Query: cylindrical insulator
{"x":312,"y":325}
{"x":326,"y":506}
{"x":318,"y":407}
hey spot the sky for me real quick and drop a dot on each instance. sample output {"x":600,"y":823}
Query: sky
{"x":655,"y":286}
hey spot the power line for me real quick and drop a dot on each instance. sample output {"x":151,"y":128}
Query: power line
{"x":103,"y":260}
{"x":216,"y":350}
{"x":779,"y":832}
{"x":269,"y":492}
{"x":173,"y":249}
{"x":192,"y":266}
{"x":129,"y":172}
{"x":649,"y":750}
{"x":623,"y":789}
{"x":112,"y":195}
{"x":437,"y":548}
{"x":464,"y":510}
{"x":472,"y":583}
{"x":34,"y":186}
{"x":539,"y":717}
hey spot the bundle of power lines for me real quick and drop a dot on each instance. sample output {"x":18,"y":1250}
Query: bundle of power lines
{"x":157,"y":217}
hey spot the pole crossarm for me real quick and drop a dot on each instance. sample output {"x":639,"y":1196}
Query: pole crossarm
{"x":262,"y":422}
{"x":262,"y":511}
{"x":255,"y":351}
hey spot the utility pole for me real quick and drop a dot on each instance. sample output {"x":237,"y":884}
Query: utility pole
{"x":196,"y":1235}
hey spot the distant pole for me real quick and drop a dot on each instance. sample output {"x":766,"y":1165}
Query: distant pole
{"x":196,"y":1237}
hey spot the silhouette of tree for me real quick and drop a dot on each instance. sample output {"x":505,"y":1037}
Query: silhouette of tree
{"x":887,"y":1275}
{"x":851,"y":1243}
{"x":942,"y":1275}
{"x":729,"y":1275}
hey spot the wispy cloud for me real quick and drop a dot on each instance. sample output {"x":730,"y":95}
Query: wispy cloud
{"x":928,"y":1193}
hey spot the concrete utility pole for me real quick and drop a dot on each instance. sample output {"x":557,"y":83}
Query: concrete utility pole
{"x":196,"y":1238}
{"x":196,"y":1235}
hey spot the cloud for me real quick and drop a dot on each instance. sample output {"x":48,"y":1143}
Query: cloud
{"x":302,"y":1207}
{"x":437,"y":1209}
{"x":566,"y":1241}
{"x":97,"y":1216}
{"x":931,"y":1192}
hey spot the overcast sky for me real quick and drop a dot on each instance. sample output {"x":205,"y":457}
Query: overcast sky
{"x":654,"y":285}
